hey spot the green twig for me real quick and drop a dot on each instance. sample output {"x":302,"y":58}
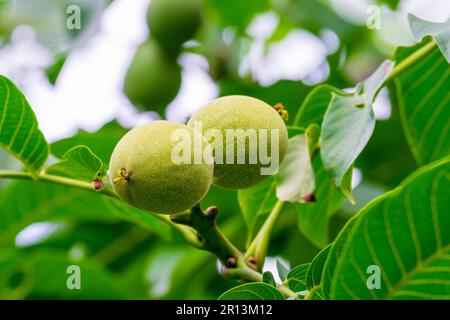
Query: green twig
{"x":236,"y":265}
{"x":296,"y":128}
{"x":43,"y":177}
{"x":413,"y":58}
{"x":209,"y":235}
{"x":258,"y":247}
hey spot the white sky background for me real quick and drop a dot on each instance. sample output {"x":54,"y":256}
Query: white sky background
{"x":89,"y":90}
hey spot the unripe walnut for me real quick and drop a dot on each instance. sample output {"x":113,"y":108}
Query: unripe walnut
{"x":143,"y":172}
{"x":153,"y":78}
{"x":243,"y":113}
{"x":173,"y":22}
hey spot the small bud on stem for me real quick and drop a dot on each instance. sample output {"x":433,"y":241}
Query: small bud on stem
{"x":97,"y":184}
{"x":231,"y":262}
{"x":252,"y":262}
{"x":309,"y":198}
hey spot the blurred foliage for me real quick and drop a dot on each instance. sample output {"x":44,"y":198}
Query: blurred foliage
{"x":139,"y":257}
{"x":49,"y":19}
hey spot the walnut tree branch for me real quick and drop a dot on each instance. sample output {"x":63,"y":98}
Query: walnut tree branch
{"x":209,"y":234}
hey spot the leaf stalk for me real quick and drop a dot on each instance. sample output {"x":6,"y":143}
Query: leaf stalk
{"x":259,"y":246}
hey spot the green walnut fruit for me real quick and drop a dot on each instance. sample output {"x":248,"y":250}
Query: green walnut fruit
{"x":145,"y":173}
{"x":247,"y":118}
{"x":153,"y":78}
{"x":173,"y":22}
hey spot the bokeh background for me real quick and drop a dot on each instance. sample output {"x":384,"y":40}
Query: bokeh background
{"x":276,"y":50}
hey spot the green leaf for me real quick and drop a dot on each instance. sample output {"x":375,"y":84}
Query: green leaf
{"x":363,"y":193}
{"x":283,"y":271}
{"x":268,"y":278}
{"x":315,"y":105}
{"x":49,"y":202}
{"x":387,"y":139}
{"x":423,"y":98}
{"x":347,"y":126}
{"x":314,"y":216}
{"x":115,"y":245}
{"x":333,"y":258}
{"x":15,"y":277}
{"x":46,"y":202}
{"x":439,"y":31}
{"x":43,"y":275}
{"x":405,"y":234}
{"x":79,"y":163}
{"x":295,"y":179}
{"x":346,"y":185}
{"x":313,"y":16}
{"x":102,"y":141}
{"x":346,"y":130}
{"x":19,"y":132}
{"x":393,"y":4}
{"x":167,"y":266}
{"x":52,"y":72}
{"x":312,"y":135}
{"x":252,"y":291}
{"x":256,"y":203}
{"x":282,"y":30}
{"x":314,"y":274}
{"x":296,"y":279}
{"x":8,"y":162}
{"x":295,"y":130}
{"x":137,"y":216}
{"x":373,"y":84}
{"x":235,"y":12}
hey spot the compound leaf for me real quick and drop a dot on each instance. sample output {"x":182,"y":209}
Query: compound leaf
{"x":19,"y":131}
{"x":404,"y":234}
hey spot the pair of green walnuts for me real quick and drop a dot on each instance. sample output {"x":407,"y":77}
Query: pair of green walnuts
{"x":144,"y":174}
{"x":154,"y":77}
